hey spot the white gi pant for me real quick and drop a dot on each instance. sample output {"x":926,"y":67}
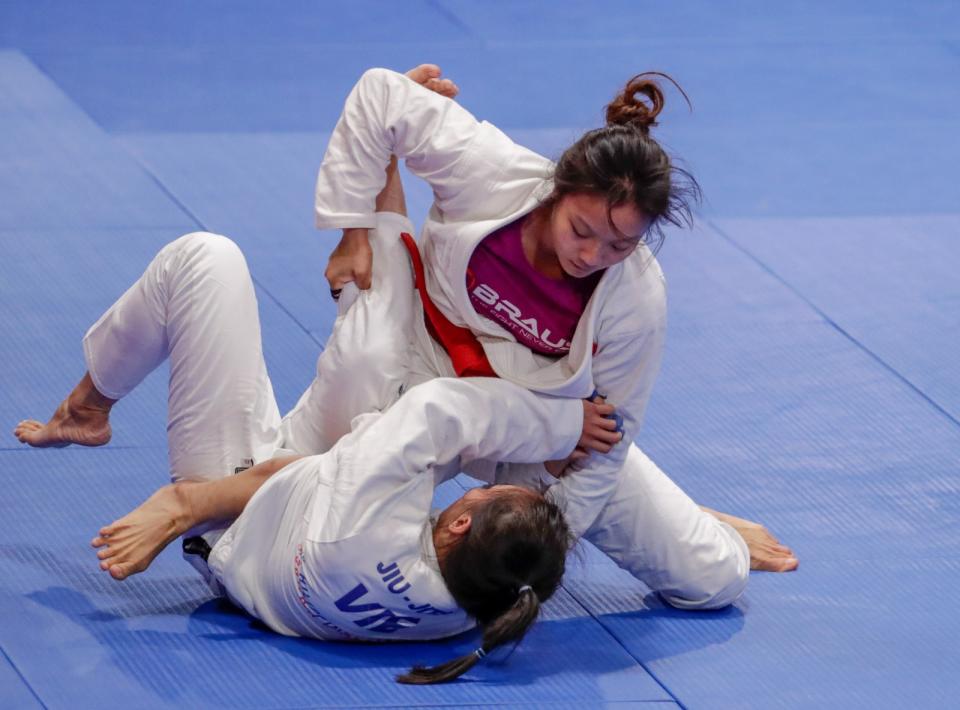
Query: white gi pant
{"x":650,"y":527}
{"x":195,"y":304}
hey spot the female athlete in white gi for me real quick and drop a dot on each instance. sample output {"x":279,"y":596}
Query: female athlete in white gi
{"x":333,"y":546}
{"x":583,"y":223}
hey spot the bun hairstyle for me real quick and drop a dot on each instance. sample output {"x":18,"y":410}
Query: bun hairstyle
{"x":627,"y":110}
{"x":510,"y":561}
{"x":624,"y":164}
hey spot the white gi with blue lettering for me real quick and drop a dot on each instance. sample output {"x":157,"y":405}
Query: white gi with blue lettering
{"x":340,"y":545}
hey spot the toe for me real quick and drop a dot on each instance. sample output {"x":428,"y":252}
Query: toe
{"x":424,"y":72}
{"x":790,"y":564}
{"x":121,"y":571}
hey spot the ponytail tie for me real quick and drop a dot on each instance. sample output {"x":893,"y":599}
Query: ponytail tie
{"x":480,"y":653}
{"x":524,"y":588}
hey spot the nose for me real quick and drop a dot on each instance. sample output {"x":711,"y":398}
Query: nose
{"x":590,"y":253}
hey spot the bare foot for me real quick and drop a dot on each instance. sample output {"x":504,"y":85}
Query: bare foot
{"x":82,"y":418}
{"x":428,"y":75}
{"x":130,"y":544}
{"x":766,"y":552}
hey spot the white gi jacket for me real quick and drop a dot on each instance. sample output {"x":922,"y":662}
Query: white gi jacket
{"x":482,"y":180}
{"x":340,"y":545}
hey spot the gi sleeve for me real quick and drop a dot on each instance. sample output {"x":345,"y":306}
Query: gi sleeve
{"x":389,"y":113}
{"x":624,"y":370}
{"x":452,"y":422}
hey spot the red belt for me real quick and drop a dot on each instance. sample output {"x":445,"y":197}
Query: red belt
{"x":465,"y":351}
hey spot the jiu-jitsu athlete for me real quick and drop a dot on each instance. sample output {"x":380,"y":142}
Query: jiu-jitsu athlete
{"x":547,"y":269}
{"x":333,"y":546}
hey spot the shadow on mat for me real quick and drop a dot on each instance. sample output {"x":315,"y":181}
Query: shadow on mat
{"x":172,"y":624}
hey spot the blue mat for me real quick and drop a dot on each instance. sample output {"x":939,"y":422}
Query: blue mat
{"x":14,"y":692}
{"x":904,"y":308}
{"x":159,"y":640}
{"x":808,"y":380}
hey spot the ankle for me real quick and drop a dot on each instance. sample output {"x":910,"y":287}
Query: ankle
{"x":86,"y":398}
{"x":185,"y":516}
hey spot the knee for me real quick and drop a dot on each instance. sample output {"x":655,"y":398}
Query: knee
{"x":716,"y":580}
{"x":205,"y":253}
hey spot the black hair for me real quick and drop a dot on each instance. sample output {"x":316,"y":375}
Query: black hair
{"x":625,"y":165}
{"x":508,"y":563}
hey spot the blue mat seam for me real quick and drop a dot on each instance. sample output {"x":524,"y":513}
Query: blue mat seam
{"x":163,"y":188}
{"x":189,"y":213}
{"x":23,"y":678}
{"x":452,"y":17}
{"x":624,"y":647}
{"x":836,"y":326}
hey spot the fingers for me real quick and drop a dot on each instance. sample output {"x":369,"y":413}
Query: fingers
{"x":363,"y":279}
{"x":339,"y":275}
{"x":602,"y":443}
{"x":600,"y":410}
{"x":602,"y":423}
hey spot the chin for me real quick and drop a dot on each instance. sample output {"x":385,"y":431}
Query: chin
{"x":577,"y":273}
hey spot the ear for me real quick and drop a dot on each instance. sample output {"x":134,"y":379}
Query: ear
{"x":461,"y":526}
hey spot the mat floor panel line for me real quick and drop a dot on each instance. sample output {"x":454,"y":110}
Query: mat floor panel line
{"x":200,"y":225}
{"x":256,"y":189}
{"x":902,"y":641}
{"x":902,"y":309}
{"x":79,"y":634}
{"x":80,"y":279}
{"x":182,"y":25}
{"x":15,"y":692}
{"x":291,"y":87}
{"x":61,"y":170}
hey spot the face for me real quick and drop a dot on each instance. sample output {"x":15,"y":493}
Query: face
{"x":582,"y":238}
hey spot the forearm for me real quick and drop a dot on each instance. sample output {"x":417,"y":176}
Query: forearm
{"x":389,"y":114}
{"x":457,"y":421}
{"x":225,"y":498}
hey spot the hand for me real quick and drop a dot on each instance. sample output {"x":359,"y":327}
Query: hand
{"x":600,"y":426}
{"x":352,"y":260}
{"x":561,"y":467}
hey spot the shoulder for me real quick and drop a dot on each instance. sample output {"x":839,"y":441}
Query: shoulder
{"x":634,"y":298}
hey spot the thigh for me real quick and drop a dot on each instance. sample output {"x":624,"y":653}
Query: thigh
{"x":365,"y":361}
{"x":222,"y":414}
{"x":654,"y":530}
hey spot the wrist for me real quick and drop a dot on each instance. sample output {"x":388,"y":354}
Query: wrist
{"x":353,"y":236}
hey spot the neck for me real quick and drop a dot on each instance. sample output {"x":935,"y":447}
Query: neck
{"x":537,"y":247}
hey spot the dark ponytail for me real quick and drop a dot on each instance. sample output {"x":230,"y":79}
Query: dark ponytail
{"x":510,"y":561}
{"x":622,"y":163}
